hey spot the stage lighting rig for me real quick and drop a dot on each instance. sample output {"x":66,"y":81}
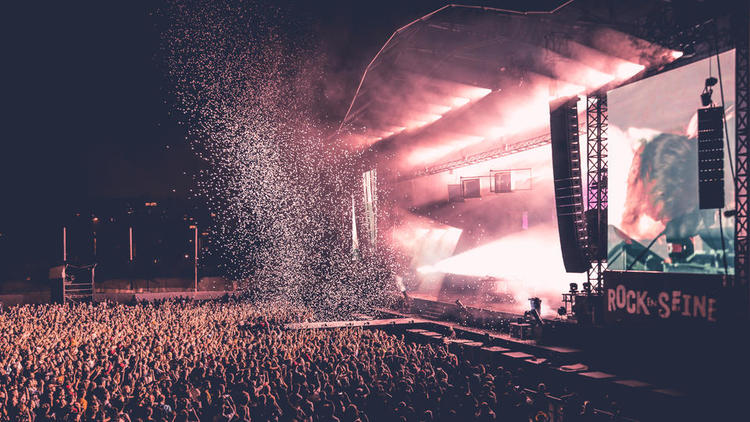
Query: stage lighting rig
{"x":687,"y":51}
{"x":587,"y":287}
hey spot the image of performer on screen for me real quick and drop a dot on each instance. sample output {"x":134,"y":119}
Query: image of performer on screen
{"x":662,"y":200}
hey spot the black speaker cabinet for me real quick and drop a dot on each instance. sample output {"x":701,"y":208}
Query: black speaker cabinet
{"x":711,"y":158}
{"x":566,"y":171}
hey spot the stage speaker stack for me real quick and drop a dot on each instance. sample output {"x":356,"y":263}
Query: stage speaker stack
{"x":566,"y":169}
{"x":711,"y":158}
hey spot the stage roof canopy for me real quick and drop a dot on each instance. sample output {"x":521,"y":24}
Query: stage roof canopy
{"x":467,"y":79}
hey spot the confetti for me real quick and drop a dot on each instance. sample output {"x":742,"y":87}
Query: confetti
{"x":278,"y":184}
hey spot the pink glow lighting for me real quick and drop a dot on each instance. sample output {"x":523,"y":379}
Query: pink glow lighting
{"x":460,"y":101}
{"x":568,"y":90}
{"x":433,"y":118}
{"x":440,"y":109}
{"x":430,"y":154}
{"x":477,"y":93}
{"x":627,"y":70}
{"x":515,"y":259}
{"x":497,"y":132}
{"x":677,"y":54}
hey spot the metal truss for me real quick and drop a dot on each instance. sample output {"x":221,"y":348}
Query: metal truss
{"x":596,"y":133}
{"x":502,"y":151}
{"x":597,"y":178}
{"x":595,"y":274}
{"x":742,"y":93}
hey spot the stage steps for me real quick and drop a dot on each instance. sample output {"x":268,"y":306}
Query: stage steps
{"x":554,"y":365}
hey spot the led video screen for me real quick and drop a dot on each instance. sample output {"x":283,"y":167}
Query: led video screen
{"x":655,"y":222}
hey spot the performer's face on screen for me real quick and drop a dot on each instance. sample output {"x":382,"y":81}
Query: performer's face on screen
{"x":659,"y":183}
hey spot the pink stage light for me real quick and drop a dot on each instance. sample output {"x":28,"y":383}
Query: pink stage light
{"x":424,"y":241}
{"x":595,"y":79}
{"x":567,"y":90}
{"x":528,"y":115}
{"x":628,"y":70}
{"x":469,"y":94}
{"x":423,"y":120}
{"x":430,"y":154}
{"x":433,"y":118}
{"x":477,"y":93}
{"x":529,"y":261}
{"x":426,"y":269}
{"x":440,"y":109}
{"x":677,"y":54}
{"x":436,"y":112}
{"x":460,"y":101}
{"x":497,"y":132}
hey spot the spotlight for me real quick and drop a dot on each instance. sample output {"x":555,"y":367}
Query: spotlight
{"x":688,"y":51}
{"x":587,"y":287}
{"x":707,"y":91}
{"x":562,"y":311}
{"x":573,"y":288}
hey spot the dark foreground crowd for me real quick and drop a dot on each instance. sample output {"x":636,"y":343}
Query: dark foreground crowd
{"x":233,"y":361}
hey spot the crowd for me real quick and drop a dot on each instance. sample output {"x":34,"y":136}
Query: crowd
{"x":234,"y":361}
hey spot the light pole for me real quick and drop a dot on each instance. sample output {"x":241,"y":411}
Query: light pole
{"x":65,"y":244}
{"x":195,"y":262}
{"x":130,"y":261}
{"x":95,"y":225}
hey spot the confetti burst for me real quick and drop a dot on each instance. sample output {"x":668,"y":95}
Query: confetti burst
{"x":244,"y":76}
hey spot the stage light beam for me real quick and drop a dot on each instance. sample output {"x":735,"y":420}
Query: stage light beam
{"x":460,"y":101}
{"x":628,"y":70}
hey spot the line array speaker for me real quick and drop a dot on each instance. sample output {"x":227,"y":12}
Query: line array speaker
{"x":566,"y":169}
{"x":711,"y":157}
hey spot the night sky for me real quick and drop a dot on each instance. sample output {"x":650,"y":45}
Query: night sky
{"x":87,"y":107}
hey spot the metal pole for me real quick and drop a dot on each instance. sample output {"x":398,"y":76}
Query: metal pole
{"x":65,"y":244}
{"x":64,"y":276}
{"x":196,"y":258}
{"x":130,"y":233}
{"x":130,"y":268}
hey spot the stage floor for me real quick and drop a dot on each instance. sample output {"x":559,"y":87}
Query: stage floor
{"x":475,"y":302}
